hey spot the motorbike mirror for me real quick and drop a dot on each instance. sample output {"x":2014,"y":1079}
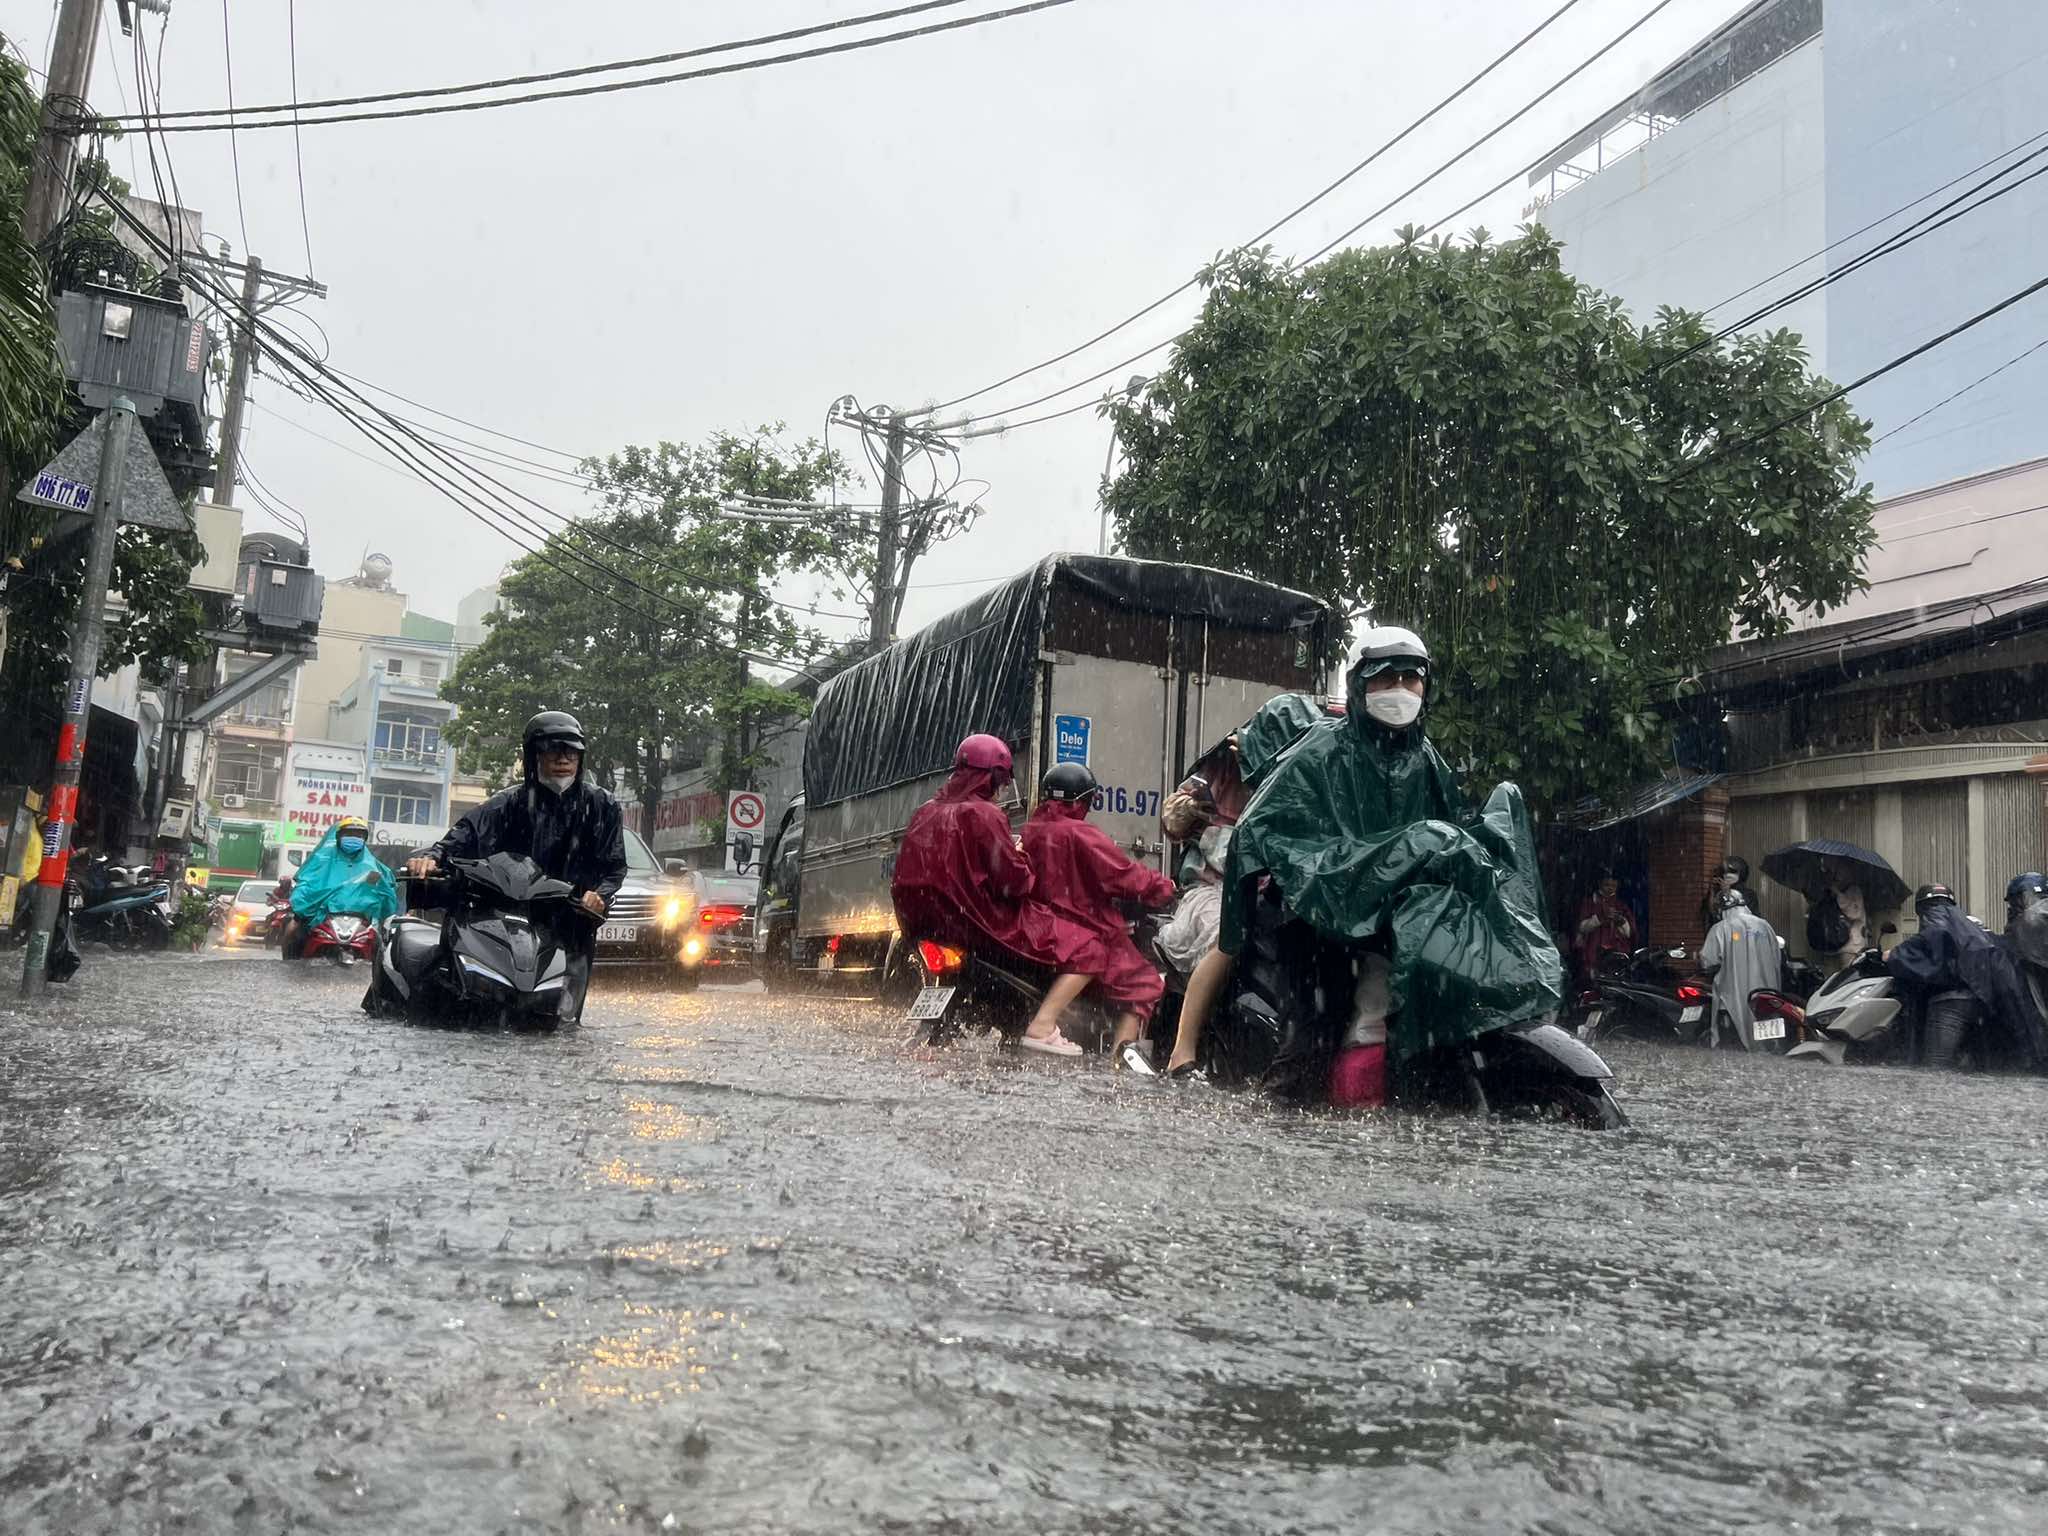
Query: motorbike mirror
{"x":1674,"y":954}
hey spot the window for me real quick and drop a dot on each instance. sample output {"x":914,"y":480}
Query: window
{"x":411,"y":735}
{"x":402,"y":810}
{"x":394,"y":666}
{"x":430,"y":671}
{"x":251,"y":774}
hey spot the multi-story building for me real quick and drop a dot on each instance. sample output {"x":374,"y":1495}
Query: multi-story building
{"x":1764,"y":164}
{"x":395,"y":711}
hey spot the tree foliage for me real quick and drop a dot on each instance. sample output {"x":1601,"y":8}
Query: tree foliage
{"x":656,"y":667}
{"x":1462,"y":438}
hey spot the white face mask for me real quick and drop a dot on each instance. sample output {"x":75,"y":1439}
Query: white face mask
{"x":1395,"y":707}
{"x":558,"y":782}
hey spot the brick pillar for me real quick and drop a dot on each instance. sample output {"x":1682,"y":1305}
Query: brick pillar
{"x":1686,"y":846}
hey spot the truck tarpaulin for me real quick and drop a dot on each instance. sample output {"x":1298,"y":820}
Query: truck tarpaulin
{"x":899,"y":715}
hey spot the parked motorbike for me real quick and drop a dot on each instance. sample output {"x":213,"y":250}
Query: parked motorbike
{"x":114,"y":909}
{"x":1636,"y":997}
{"x":1854,"y":1016}
{"x":342,"y":939}
{"x":486,"y":958}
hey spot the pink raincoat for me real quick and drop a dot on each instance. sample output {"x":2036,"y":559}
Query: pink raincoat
{"x":960,"y":880}
{"x":1081,"y":875}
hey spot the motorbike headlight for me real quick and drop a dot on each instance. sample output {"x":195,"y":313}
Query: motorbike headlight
{"x":476,"y":968}
{"x":692,"y":947}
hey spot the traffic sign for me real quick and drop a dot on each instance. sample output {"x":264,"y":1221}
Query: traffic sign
{"x":66,"y":482}
{"x":745,"y":811}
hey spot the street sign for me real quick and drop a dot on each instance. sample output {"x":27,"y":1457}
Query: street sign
{"x":746,"y":813}
{"x":66,"y":482}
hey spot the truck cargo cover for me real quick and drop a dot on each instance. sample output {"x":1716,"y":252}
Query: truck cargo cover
{"x":898,"y":715}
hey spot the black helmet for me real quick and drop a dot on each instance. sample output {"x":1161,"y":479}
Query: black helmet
{"x":1735,"y":864}
{"x":1930,"y":896}
{"x":550,"y":726}
{"x":1067,"y":781}
{"x":2023,"y":890}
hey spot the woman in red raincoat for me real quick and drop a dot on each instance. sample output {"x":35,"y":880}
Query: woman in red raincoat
{"x":1081,"y":876}
{"x":961,"y":879}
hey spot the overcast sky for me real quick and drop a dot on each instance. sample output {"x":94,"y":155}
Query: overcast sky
{"x":905,"y":223}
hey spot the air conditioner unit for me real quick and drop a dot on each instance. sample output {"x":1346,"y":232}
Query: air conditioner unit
{"x":234,"y":802}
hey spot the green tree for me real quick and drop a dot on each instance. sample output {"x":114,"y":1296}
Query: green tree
{"x":1463,"y":438}
{"x":658,"y":666}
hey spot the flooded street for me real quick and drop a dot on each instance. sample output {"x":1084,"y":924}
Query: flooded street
{"x":721,"y":1261}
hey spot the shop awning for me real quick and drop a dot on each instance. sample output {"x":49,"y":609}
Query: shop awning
{"x":1591,"y":815}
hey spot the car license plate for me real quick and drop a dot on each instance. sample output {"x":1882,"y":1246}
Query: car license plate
{"x":617,"y":933}
{"x":1692,"y":1015}
{"x":1767,"y":1029}
{"x":931,"y":1003}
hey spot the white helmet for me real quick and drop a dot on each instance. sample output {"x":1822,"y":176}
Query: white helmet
{"x":1388,"y":645}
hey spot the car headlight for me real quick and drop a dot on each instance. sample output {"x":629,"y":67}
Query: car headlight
{"x":672,"y":911}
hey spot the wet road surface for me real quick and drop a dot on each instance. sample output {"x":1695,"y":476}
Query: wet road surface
{"x":721,"y":1261}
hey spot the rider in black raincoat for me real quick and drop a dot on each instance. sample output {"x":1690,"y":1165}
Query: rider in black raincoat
{"x":567,"y":825}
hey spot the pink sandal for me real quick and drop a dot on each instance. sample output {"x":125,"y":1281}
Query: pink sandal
{"x":1054,"y":1044}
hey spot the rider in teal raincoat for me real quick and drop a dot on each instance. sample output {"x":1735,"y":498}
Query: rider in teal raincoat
{"x":341,"y":875}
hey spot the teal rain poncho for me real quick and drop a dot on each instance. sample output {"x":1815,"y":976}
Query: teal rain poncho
{"x":331,"y":881}
{"x":1359,"y":827}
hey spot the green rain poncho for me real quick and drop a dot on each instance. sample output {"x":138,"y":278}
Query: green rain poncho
{"x":1360,"y":828}
{"x":331,"y":881}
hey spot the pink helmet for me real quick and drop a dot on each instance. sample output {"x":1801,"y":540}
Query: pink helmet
{"x":983,"y":751}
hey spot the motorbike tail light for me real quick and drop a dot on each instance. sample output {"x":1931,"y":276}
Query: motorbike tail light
{"x":832,"y":945}
{"x":1692,"y":994}
{"x":721,"y":917}
{"x":939,"y":958}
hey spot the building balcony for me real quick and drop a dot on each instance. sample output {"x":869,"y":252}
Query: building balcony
{"x":413,"y":690}
{"x":424,"y":762}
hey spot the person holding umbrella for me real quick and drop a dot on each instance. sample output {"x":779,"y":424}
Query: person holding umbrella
{"x":1843,"y":884}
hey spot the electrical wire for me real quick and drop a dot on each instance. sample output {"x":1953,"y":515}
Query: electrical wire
{"x":227,"y":43}
{"x":647,"y":62}
{"x":1753,"y":438}
{"x":612,"y":86}
{"x":291,"y":21}
{"x":1982,"y":378}
{"x":1285,"y":218}
{"x":1507,"y":122}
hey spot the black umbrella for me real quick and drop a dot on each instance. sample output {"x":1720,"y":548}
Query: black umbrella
{"x":1800,"y":867}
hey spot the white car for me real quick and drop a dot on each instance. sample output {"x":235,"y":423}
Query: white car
{"x":250,"y":913}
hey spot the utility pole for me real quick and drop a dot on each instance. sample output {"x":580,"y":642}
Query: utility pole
{"x":86,"y":630}
{"x":882,"y":611}
{"x":238,"y":385}
{"x":56,"y":151}
{"x":261,"y":290}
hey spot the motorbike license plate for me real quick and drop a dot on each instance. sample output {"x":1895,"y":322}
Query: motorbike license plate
{"x":1692,"y":1015}
{"x":617,"y":933}
{"x":1767,"y":1029}
{"x":931,"y":1003}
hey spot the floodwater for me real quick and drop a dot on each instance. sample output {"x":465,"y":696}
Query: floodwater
{"x":724,"y":1262}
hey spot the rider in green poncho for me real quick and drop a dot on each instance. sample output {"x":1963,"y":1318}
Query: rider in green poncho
{"x":1361,"y":829}
{"x":340,"y":875}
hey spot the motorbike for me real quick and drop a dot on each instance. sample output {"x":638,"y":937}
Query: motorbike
{"x":486,"y":958}
{"x":117,"y":908}
{"x":275,"y":919}
{"x":1291,"y":987}
{"x":342,"y":939}
{"x":1635,"y":997}
{"x":1855,"y":1016}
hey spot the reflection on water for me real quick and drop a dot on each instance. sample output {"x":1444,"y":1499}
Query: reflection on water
{"x":654,"y":1121}
{"x":653,"y":1354}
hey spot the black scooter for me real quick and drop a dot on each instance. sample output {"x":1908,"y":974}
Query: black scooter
{"x":489,"y":958}
{"x":1635,"y":997}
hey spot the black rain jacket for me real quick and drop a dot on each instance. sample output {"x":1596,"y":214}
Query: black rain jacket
{"x":579,"y":836}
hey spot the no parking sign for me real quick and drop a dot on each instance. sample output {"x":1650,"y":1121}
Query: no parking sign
{"x":746,"y":815}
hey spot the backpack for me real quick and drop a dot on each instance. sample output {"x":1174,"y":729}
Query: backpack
{"x":1827,"y":930}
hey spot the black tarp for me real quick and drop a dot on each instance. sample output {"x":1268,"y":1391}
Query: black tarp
{"x":899,"y":714}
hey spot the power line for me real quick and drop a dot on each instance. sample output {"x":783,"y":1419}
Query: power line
{"x":612,"y":86}
{"x":1982,"y":378}
{"x":1285,"y":218}
{"x":291,"y":20}
{"x":1878,"y":372}
{"x":1493,"y":132}
{"x":227,"y":43}
{"x":646,"y":62}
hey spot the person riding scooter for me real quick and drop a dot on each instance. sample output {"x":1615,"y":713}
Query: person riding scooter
{"x":567,"y":825}
{"x":341,"y":875}
{"x":1743,"y":956}
{"x":962,"y":879}
{"x":1082,"y":875}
